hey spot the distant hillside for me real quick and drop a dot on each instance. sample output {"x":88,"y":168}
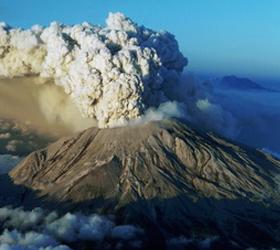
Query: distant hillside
{"x":238,"y":83}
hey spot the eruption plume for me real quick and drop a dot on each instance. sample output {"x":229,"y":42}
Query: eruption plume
{"x":112,"y":73}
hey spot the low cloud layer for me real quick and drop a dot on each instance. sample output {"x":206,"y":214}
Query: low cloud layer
{"x":39,"y":229}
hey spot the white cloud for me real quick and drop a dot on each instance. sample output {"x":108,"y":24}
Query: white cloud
{"x":5,"y":135}
{"x":39,"y":229}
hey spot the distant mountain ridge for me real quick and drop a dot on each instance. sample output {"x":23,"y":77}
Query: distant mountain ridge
{"x":238,"y":83}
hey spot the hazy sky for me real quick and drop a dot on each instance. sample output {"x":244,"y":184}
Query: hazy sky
{"x":218,"y":36}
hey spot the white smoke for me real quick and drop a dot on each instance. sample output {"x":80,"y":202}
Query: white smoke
{"x":113,"y":73}
{"x":39,"y":229}
{"x":72,"y":227}
{"x":195,"y":101}
{"x":163,"y":111}
{"x":41,"y":105}
{"x":58,"y":109}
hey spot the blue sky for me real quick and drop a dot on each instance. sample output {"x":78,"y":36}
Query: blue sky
{"x":219,"y":37}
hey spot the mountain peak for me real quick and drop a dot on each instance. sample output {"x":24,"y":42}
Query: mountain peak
{"x":165,"y":173}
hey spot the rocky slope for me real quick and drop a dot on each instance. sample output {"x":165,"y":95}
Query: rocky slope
{"x":163,"y":175}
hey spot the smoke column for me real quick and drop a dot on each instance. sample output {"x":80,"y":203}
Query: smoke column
{"x":113,"y":73}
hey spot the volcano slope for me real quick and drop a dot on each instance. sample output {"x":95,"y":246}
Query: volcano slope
{"x":162,"y":175}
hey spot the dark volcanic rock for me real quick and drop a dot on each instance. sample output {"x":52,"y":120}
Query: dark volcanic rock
{"x":163,"y":175}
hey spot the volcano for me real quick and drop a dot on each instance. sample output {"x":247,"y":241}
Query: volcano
{"x":165,"y":176}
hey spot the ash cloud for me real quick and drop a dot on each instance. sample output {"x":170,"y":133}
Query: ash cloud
{"x":113,"y":73}
{"x":19,"y":139}
{"x":40,"y":105}
{"x":246,"y":115}
{"x":119,"y":74}
{"x":256,"y":114}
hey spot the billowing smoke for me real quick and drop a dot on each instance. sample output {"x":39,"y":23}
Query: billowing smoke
{"x":39,"y":105}
{"x":120,"y":74}
{"x":112,"y":73}
{"x":58,"y":108}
